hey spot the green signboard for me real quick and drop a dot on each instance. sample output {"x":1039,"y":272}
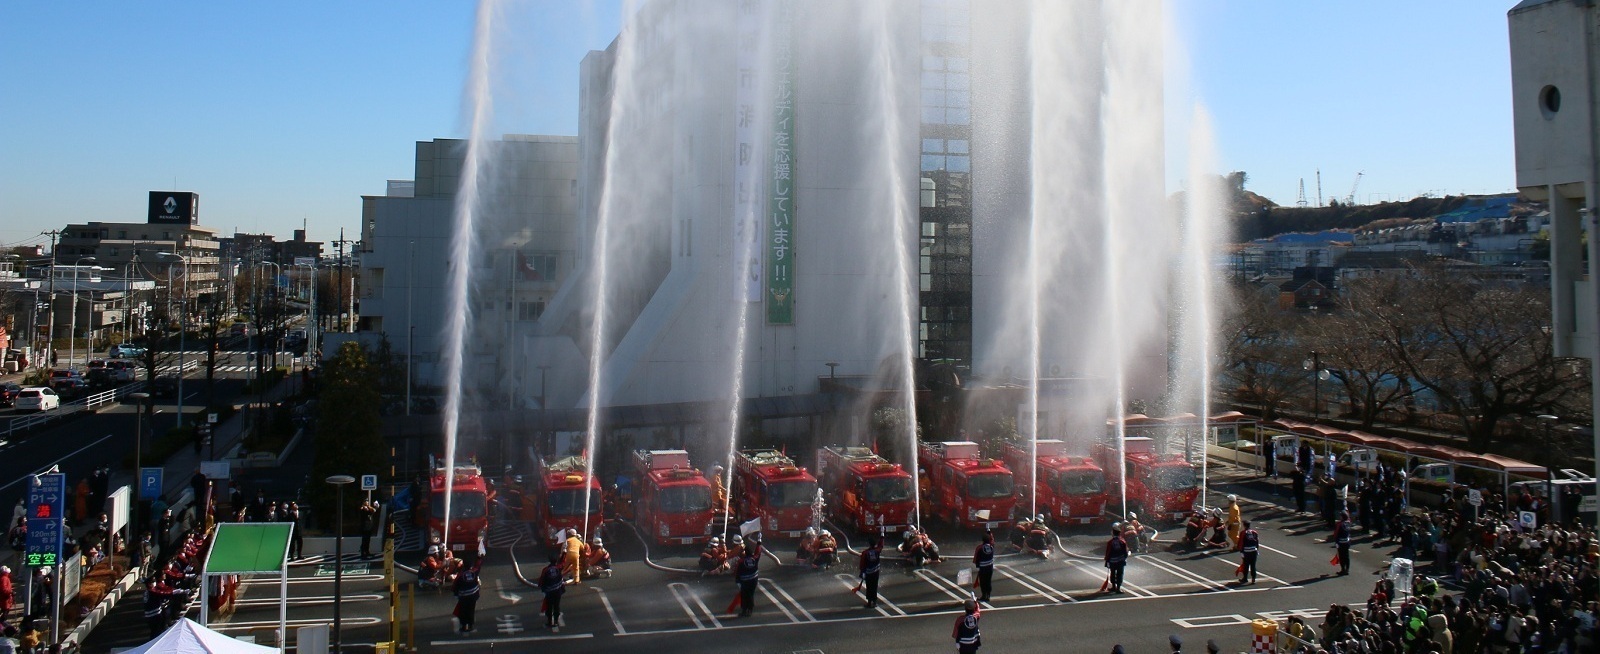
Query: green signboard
{"x":780,"y":227}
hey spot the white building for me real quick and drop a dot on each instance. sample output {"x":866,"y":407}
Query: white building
{"x":1555,"y":100}
{"x":527,"y":237}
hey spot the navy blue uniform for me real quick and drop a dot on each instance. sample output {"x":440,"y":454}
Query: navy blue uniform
{"x":1250,"y":545}
{"x":968,"y":637}
{"x":749,"y":575}
{"x":871,"y":565}
{"x":467,"y":590}
{"x":983,"y":560}
{"x":1341,"y":535}
{"x":553,"y":587}
{"x":1116,"y":560}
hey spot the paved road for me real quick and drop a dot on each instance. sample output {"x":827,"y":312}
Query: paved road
{"x":1038,"y":604}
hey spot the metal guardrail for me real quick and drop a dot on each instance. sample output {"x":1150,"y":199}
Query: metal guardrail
{"x":22,"y":424}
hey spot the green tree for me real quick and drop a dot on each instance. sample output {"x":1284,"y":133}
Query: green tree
{"x":348,"y":440}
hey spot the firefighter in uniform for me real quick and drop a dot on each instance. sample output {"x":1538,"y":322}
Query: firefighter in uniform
{"x":552,"y":583}
{"x":871,"y":564}
{"x":983,"y":560}
{"x":749,"y":576}
{"x":1116,"y":558}
{"x":968,"y":638}
{"x":1249,"y":545}
{"x":1341,"y":536}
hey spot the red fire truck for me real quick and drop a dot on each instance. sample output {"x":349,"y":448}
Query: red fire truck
{"x":967,"y":490}
{"x":558,"y":490}
{"x":770,"y":486}
{"x":865,"y":489}
{"x":671,"y":499}
{"x":469,"y":507}
{"x":1071,"y":489}
{"x":1162,"y":486}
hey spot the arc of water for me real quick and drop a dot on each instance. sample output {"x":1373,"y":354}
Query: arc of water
{"x":463,"y":242}
{"x":899,"y":181}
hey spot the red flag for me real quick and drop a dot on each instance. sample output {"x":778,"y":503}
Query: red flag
{"x":734,"y":605}
{"x":1334,"y":560}
{"x":1105,"y":584}
{"x":1239,"y":570}
{"x":857,"y":589}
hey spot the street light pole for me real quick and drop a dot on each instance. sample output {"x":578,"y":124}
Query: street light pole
{"x":1549,"y":451}
{"x":339,"y":482}
{"x":1314,"y":364}
{"x":72,"y":331}
{"x":134,"y":533}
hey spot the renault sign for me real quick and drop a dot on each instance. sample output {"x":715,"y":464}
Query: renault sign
{"x":174,"y":208}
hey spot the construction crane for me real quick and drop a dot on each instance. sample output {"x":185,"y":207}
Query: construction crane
{"x":1351,"y":199}
{"x":1301,"y":201}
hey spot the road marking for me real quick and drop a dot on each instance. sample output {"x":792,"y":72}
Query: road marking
{"x":355,"y":621}
{"x":480,"y":642}
{"x":792,"y":600}
{"x":58,"y":461}
{"x":850,"y":582}
{"x":1136,"y":590}
{"x":1186,"y":573}
{"x":943,"y":584}
{"x":509,"y":624}
{"x":500,"y":590}
{"x":1211,"y":621}
{"x":308,"y":600}
{"x":772,"y":598}
{"x":311,"y":580}
{"x":1043,"y":589}
{"x":1274,"y":549}
{"x":679,"y":590}
{"x":1258,"y":574}
{"x":606,"y":601}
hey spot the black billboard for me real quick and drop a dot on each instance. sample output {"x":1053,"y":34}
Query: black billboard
{"x":174,"y":208}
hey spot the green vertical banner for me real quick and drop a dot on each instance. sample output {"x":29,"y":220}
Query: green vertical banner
{"x":780,"y":226}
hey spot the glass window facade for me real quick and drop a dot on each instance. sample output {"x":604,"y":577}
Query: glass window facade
{"x":945,"y":250}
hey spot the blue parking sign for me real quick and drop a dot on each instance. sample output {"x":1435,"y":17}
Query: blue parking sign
{"x":47,"y":504}
{"x":150,"y":483}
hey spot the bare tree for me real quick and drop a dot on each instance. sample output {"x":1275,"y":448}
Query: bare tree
{"x":1481,"y":347}
{"x":1259,"y":353}
{"x":1373,"y":379}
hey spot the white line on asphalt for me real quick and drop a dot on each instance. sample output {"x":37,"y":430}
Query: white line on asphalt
{"x":850,"y":582}
{"x":677,"y":589}
{"x":1274,"y":549}
{"x":606,"y":601}
{"x":479,"y":642}
{"x":1258,"y":574}
{"x":1226,"y":620}
{"x":766,"y":625}
{"x":702,"y":606}
{"x":58,"y":461}
{"x":500,"y":590}
{"x":307,"y":601}
{"x":774,"y":599}
{"x":1136,"y":590}
{"x":1044,"y":590}
{"x":356,"y":621}
{"x":943,"y":584}
{"x":791,"y":599}
{"x":1184,"y":573}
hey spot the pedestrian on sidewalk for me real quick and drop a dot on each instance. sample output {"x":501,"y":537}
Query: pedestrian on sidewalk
{"x":1299,"y":482}
{"x":369,"y":526}
{"x":296,"y":538}
{"x":1271,"y":460}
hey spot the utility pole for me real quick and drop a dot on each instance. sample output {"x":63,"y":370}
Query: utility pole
{"x":1319,"y":187}
{"x":345,"y":273}
{"x":50,"y":301}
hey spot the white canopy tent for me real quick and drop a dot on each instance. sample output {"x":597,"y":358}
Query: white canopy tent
{"x":188,"y":637}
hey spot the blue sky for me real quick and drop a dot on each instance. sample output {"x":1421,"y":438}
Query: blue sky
{"x":283,"y":111}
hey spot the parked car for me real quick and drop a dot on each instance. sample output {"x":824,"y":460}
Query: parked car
{"x":126,"y":351}
{"x":164,"y":386}
{"x":8,"y":394}
{"x":37,"y":398}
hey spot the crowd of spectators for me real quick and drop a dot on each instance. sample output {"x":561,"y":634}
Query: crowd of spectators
{"x":1481,"y":580}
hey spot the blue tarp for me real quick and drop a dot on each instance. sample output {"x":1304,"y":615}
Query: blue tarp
{"x":1476,"y":209}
